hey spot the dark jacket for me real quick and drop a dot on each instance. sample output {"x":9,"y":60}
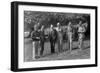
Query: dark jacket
{"x":35,"y":35}
{"x":53,"y":35}
{"x":42,"y":36}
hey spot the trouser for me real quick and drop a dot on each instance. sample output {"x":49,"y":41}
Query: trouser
{"x":80,"y":41}
{"x":35,"y":49}
{"x":60,"y":45}
{"x":52,"y":42}
{"x":70,"y":42}
{"x":42,"y":47}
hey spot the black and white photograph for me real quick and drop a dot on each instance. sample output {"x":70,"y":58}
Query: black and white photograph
{"x":56,"y":36}
{"x":53,"y":36}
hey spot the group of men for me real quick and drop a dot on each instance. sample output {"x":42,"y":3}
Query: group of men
{"x":56,"y":35}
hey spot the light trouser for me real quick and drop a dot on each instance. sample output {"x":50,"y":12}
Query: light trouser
{"x":70,"y":41}
{"x":35,"y":49}
{"x":80,"y":41}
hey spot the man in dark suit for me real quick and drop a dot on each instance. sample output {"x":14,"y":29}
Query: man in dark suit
{"x":53,"y":38}
{"x":42,"y":39}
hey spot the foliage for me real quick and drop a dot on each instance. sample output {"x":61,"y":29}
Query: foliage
{"x":47,"y":18}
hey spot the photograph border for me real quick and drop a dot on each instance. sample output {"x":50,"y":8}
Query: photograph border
{"x":14,"y":35}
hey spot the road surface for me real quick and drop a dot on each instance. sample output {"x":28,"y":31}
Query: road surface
{"x":64,"y":55}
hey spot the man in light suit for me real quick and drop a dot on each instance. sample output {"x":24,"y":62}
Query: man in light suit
{"x":81,"y":31}
{"x":70,"y":32}
{"x":59,"y":37}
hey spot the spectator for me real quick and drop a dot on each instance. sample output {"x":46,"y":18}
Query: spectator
{"x":60,"y":37}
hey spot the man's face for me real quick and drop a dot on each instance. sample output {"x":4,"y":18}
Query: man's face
{"x":69,"y":23}
{"x":58,"y":24}
{"x":42,"y":28}
{"x":80,"y":22}
{"x":51,"y":26}
{"x":38,"y":24}
{"x":35,"y":27}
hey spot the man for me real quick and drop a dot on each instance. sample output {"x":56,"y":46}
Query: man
{"x":42,"y":39}
{"x":70,"y":32}
{"x":35,"y":38}
{"x":52,"y":37}
{"x":81,"y":31}
{"x":38,"y":26}
{"x":60,"y":37}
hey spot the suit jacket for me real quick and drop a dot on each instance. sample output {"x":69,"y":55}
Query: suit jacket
{"x":42,"y":36}
{"x":53,"y":35}
{"x":81,"y":29}
{"x":59,"y":34}
{"x":35,"y":35}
